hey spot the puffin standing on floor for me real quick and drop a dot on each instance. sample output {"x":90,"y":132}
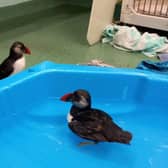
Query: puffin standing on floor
{"x":15,"y":62}
{"x":92,"y":124}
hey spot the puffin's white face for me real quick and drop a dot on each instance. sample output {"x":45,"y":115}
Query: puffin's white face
{"x":82,"y":103}
{"x":18,"y":49}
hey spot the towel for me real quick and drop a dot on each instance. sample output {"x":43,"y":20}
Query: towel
{"x":160,"y":67}
{"x":130,"y":39}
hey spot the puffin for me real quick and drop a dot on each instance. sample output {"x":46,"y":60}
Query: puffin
{"x":15,"y":62}
{"x":92,"y":124}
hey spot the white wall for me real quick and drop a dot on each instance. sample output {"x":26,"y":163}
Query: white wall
{"x":11,"y":2}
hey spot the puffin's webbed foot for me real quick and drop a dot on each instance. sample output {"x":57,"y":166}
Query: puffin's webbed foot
{"x":87,"y":143}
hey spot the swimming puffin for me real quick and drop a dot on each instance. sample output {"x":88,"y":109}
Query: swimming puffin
{"x":92,"y":124}
{"x":15,"y":62}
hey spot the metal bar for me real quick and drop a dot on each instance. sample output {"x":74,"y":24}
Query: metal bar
{"x":155,"y":10}
{"x":167,"y":9}
{"x":134,"y":4}
{"x":139,"y":5}
{"x":150,"y":5}
{"x":162,"y":4}
{"x":144,"y":6}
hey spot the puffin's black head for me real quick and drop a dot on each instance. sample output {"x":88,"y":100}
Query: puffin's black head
{"x":18,"y":48}
{"x":79,"y":98}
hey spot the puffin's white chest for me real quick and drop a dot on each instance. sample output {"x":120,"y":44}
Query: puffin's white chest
{"x":19,"y":65}
{"x":69,"y":117}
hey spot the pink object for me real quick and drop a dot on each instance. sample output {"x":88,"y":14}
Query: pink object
{"x":163,"y":56}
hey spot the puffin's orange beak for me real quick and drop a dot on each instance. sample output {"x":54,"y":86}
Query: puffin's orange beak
{"x":27,"y":51}
{"x":67,"y":97}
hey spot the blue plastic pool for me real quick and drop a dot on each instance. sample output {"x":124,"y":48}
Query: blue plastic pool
{"x":33,"y":127}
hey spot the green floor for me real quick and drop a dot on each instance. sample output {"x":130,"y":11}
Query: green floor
{"x":56,"y":31}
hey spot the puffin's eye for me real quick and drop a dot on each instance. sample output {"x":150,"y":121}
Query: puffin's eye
{"x":76,"y":97}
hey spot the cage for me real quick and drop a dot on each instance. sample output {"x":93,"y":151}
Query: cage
{"x":146,"y":13}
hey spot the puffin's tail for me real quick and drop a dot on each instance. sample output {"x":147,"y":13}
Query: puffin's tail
{"x":2,"y":76}
{"x":117,"y":134}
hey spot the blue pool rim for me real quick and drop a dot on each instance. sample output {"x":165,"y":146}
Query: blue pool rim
{"x":49,"y":66}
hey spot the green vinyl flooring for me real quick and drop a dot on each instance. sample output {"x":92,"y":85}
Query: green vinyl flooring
{"x":56,"y":31}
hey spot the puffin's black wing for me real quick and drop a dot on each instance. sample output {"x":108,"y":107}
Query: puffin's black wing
{"x":6,"y":68}
{"x":98,"y":126}
{"x":91,"y":124}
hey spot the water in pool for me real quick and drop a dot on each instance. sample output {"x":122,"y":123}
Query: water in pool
{"x":40,"y":138}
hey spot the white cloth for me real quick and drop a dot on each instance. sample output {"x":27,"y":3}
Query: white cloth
{"x":130,"y":39}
